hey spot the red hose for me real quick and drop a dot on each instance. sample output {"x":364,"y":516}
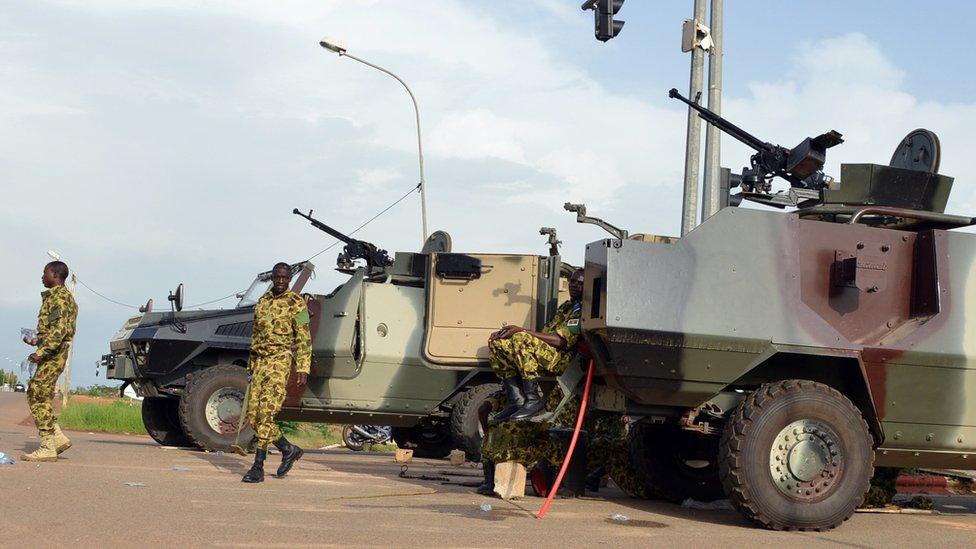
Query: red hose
{"x":572,"y":445}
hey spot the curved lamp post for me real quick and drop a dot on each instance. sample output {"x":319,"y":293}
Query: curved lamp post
{"x":340,"y":48}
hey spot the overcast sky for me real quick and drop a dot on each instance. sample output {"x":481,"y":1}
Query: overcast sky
{"x":154,"y":142}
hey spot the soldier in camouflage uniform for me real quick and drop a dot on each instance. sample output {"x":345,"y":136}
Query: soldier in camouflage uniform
{"x":280,"y":325}
{"x":529,"y":442}
{"x":55,"y":330}
{"x":520,"y":357}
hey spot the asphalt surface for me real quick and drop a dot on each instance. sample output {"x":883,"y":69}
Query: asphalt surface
{"x":337,"y":498}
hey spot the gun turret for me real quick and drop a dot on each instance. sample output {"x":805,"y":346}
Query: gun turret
{"x":354,"y":249}
{"x":802,"y":165}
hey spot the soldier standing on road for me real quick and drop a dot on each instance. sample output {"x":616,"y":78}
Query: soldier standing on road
{"x":519,"y":357}
{"x":280,"y":325}
{"x":55,"y":330}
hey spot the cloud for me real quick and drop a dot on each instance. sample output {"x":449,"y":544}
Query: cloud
{"x":158,"y":142}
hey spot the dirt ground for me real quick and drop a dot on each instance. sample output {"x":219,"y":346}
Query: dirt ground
{"x":113,"y":490}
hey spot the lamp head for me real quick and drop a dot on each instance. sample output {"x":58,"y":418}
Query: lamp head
{"x":333,"y":44}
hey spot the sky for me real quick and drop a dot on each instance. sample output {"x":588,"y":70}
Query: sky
{"x":154,"y":142}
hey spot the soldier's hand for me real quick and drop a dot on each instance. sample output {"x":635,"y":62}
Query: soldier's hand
{"x":301,"y":379}
{"x":32,"y":341}
{"x":34,"y":358}
{"x":508,"y":331}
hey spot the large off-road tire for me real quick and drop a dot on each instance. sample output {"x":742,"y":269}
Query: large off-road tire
{"x":211,"y":405}
{"x":466,"y":428}
{"x":781,"y":483}
{"x":674,"y":464}
{"x":427,"y":440}
{"x":161,"y":417}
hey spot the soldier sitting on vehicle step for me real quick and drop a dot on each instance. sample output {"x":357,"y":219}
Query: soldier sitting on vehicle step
{"x":519,"y":357}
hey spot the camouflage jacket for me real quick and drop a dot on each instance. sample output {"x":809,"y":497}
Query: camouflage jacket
{"x":280,"y":324}
{"x":55,"y":320}
{"x":566,"y":323}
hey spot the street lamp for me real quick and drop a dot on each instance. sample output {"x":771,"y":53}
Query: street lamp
{"x":339,"y":47}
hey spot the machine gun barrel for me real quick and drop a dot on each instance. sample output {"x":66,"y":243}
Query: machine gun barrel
{"x":323,"y":227}
{"x":716,"y":120}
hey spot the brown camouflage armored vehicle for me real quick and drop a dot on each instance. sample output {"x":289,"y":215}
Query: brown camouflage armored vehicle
{"x":776,"y":357}
{"x":403,"y":342}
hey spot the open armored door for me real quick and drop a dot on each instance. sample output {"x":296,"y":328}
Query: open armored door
{"x":471,"y":295}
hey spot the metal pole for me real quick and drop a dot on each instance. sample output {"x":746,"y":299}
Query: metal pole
{"x":713,"y":152}
{"x":689,"y":210}
{"x":420,"y":147}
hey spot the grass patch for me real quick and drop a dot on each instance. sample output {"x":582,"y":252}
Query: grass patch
{"x":104,"y":415}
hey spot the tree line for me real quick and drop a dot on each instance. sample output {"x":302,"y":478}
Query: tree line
{"x":8,"y":378}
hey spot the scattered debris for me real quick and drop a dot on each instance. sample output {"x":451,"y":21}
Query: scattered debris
{"x":717,"y":505}
{"x":6,"y":460}
{"x":617,"y":517}
{"x":180,"y":468}
{"x":486,"y":507}
{"x":220,"y":453}
{"x":134,"y":484}
{"x":403,"y":456}
{"x":458,"y":458}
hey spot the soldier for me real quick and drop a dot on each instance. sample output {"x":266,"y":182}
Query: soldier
{"x":55,"y":330}
{"x":529,"y":442}
{"x":280,"y":324}
{"x":519,"y":357}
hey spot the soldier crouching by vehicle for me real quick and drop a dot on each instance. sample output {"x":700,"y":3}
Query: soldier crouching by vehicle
{"x":526,"y":442}
{"x":280,"y":324}
{"x":55,"y":330}
{"x":519,"y":357}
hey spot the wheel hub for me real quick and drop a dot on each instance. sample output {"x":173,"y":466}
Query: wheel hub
{"x":805,"y":460}
{"x":223,"y":410}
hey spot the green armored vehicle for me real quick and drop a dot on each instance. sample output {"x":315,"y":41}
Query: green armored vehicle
{"x":775,"y":358}
{"x":403,"y":342}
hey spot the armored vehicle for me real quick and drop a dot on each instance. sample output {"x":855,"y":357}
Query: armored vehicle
{"x":403,"y":342}
{"x":775,"y":357}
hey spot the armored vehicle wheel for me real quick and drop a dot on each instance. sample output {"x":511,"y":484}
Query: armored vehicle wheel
{"x":211,"y":404}
{"x":674,"y":464}
{"x":161,"y":417}
{"x":796,"y":455}
{"x":465,"y":427}
{"x":426,"y":440}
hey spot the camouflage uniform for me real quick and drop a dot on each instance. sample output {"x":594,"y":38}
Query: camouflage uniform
{"x":608,"y":448}
{"x":280,"y":324}
{"x":528,"y":442}
{"x":526,"y":356}
{"x":55,"y":330}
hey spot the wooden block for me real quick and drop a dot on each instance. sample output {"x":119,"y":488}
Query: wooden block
{"x":457,"y":458}
{"x":403,"y":456}
{"x":510,"y":480}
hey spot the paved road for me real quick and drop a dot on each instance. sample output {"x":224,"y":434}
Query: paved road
{"x":338,"y":498}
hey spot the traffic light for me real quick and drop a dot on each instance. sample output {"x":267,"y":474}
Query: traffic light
{"x":604,"y":27}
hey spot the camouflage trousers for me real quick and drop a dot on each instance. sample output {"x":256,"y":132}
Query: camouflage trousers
{"x":526,"y":356}
{"x":526,"y":441}
{"x":613,"y":454}
{"x":40,"y":392}
{"x":269,"y":379}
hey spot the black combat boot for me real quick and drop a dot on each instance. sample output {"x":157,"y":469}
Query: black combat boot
{"x":513,"y":390}
{"x":289,"y":455}
{"x":256,"y":472}
{"x":487,"y":488}
{"x":534,"y":403}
